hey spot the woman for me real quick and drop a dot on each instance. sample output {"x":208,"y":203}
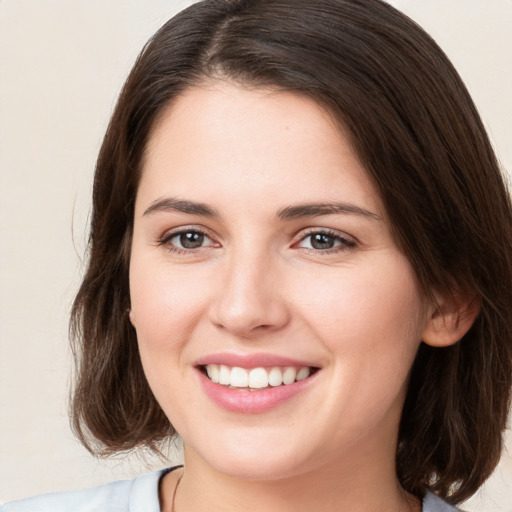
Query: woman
{"x":300,"y":263}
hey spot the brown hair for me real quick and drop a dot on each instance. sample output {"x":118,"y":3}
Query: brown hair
{"x":420,"y":138}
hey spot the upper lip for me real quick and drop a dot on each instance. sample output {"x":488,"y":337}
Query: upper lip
{"x":248,"y":361}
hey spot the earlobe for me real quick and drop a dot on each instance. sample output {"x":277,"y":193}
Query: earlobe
{"x":131,"y":316}
{"x":450,"y":320}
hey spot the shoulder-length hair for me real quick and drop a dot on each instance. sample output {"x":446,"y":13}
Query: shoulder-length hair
{"x":419,"y":136}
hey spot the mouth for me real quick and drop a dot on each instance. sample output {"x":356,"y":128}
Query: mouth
{"x":256,"y":379}
{"x":254,"y":383}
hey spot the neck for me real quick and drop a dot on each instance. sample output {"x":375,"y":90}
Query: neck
{"x":359,"y":487}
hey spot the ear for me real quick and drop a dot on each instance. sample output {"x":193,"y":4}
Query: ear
{"x":131,"y":316}
{"x":450,"y":319}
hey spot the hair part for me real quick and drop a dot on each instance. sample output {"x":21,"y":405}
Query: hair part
{"x":417,"y":133}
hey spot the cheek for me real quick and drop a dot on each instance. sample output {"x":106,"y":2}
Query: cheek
{"x":168,"y":306}
{"x":377,"y":309}
{"x":164,"y":311}
{"x":165,"y":305}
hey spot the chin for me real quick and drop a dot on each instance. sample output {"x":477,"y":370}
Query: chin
{"x":263,"y":469}
{"x":252,"y":460}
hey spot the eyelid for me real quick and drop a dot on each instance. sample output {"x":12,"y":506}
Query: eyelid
{"x":347,"y":241}
{"x":168,"y":235}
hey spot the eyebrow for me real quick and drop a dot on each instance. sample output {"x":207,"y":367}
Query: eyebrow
{"x":179,"y":205}
{"x":289,"y":213}
{"x":317,"y":209}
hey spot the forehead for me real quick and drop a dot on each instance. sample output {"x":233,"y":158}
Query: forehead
{"x":219,"y":137}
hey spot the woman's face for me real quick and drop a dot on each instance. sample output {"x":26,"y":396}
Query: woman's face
{"x":261,"y":253}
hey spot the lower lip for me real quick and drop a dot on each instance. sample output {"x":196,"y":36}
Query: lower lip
{"x":251,"y":402}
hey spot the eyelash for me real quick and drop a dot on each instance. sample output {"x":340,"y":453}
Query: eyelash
{"x":166,"y":240}
{"x":344,"y":243}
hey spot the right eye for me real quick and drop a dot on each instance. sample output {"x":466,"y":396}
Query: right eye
{"x":187,"y":240}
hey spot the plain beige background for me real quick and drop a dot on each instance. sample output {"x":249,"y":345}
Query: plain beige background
{"x":62,"y":65}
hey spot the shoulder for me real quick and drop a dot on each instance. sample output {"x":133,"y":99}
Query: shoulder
{"x":431,"y":503}
{"x":139,"y":494}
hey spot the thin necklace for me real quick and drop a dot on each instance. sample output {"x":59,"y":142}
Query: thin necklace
{"x":174,"y":493}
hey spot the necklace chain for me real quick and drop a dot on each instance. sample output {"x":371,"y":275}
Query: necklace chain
{"x":174,"y":493}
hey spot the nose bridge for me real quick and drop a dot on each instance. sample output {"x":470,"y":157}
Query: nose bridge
{"x":249,"y":298}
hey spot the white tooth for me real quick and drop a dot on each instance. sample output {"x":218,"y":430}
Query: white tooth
{"x":275,"y":377}
{"x":239,"y":377}
{"x":289,"y":375}
{"x":213,"y":372}
{"x":224,"y":375}
{"x":258,"y":378}
{"x":302,"y":374}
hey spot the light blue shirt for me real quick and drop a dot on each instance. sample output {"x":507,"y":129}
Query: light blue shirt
{"x":137,"y":495}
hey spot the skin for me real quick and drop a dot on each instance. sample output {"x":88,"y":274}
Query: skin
{"x":257,"y":285}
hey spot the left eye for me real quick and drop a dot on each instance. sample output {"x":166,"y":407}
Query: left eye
{"x":322,"y":241}
{"x":189,"y":240}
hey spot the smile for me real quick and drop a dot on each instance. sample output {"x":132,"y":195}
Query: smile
{"x":256,"y":379}
{"x":250,"y":384}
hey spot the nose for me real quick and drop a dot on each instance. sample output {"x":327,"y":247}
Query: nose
{"x":250,"y":300}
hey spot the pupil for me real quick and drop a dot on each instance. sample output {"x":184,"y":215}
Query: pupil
{"x":322,"y":241}
{"x":191,"y":240}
